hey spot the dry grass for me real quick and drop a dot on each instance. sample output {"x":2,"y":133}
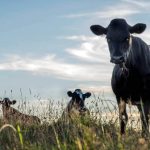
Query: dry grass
{"x":100,"y":131}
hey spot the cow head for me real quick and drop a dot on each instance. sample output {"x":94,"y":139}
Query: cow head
{"x":7,"y":102}
{"x":118,"y":35}
{"x":78,"y":98}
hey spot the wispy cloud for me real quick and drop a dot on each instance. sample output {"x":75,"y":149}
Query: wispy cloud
{"x":110,"y":13}
{"x":80,"y":38}
{"x":140,"y":3}
{"x":50,"y":65}
{"x":118,"y":10}
{"x":96,"y":88}
{"x":91,"y":49}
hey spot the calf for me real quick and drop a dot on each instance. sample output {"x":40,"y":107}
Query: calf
{"x":77,"y":103}
{"x":11,"y":115}
{"x":131,"y":74}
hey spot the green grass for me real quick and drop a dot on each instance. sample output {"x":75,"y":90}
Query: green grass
{"x":77,"y":133}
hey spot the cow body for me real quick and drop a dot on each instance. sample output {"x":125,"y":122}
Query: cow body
{"x":136,"y":83}
{"x":13,"y":116}
{"x":131,"y":74}
{"x":134,"y":87}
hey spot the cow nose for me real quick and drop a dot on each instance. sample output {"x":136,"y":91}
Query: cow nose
{"x":117,"y":59}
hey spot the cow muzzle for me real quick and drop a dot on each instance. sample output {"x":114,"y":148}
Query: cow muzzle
{"x":117,"y":59}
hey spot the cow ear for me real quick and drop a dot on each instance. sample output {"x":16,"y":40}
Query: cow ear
{"x":137,"y":28}
{"x":98,"y":30}
{"x":69,"y":93}
{"x":87,"y":95}
{"x":13,"y":102}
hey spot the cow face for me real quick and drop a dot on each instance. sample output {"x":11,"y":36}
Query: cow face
{"x":7,"y":102}
{"x":118,"y":35}
{"x":78,"y":98}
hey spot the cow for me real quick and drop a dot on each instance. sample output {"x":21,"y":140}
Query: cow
{"x":131,"y":74}
{"x":11,"y":115}
{"x":76,"y":106}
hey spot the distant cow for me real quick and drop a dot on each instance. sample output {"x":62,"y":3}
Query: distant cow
{"x":131,"y":74}
{"x":76,"y":104}
{"x":11,"y":115}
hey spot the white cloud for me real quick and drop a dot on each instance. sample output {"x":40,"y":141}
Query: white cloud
{"x":110,"y":13}
{"x":81,"y":38}
{"x":50,"y":65}
{"x":113,"y":13}
{"x":91,"y":49}
{"x":140,"y":3}
{"x":96,"y":88}
{"x":117,"y":10}
{"x":123,"y":9}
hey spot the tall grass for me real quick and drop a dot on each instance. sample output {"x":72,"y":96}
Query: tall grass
{"x":99,"y":131}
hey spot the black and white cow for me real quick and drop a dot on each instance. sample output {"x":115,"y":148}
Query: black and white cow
{"x":76,"y":105}
{"x":131,"y":74}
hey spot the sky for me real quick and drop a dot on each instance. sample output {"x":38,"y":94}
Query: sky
{"x":47,"y":48}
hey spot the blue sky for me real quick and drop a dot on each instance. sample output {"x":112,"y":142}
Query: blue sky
{"x":47,"y":45}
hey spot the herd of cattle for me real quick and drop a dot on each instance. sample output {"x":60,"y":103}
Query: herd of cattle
{"x":12,"y":115}
{"x":130,"y":78}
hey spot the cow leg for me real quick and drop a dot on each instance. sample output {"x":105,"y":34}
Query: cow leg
{"x":144,"y":114}
{"x":123,"y":117}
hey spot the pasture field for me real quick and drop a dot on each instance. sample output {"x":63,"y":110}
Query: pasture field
{"x":100,"y":131}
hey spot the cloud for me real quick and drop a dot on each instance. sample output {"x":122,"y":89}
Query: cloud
{"x":110,"y":13}
{"x":113,"y":13}
{"x":140,"y":3}
{"x":96,"y":89}
{"x":50,"y":65}
{"x":117,"y":10}
{"x":91,"y":49}
{"x":81,"y":38}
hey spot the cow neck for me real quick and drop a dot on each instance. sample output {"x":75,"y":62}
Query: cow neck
{"x":5,"y":110}
{"x":124,"y":66}
{"x":139,"y":58}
